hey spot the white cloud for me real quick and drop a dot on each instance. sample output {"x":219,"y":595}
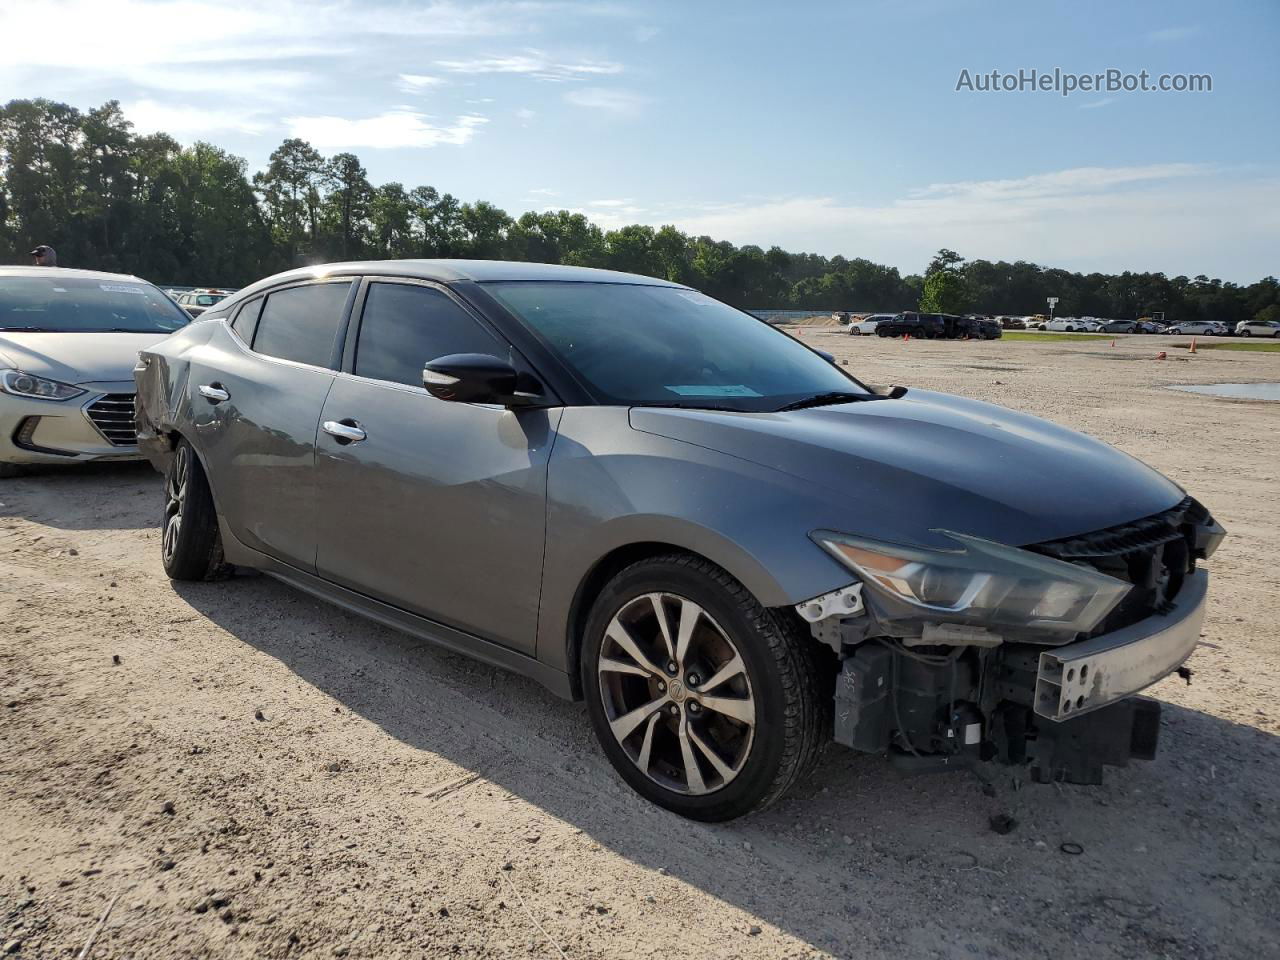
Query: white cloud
{"x":543,"y":192}
{"x":608,"y":99}
{"x":390,"y":130}
{"x":417,"y":82}
{"x":188,"y":123}
{"x":533,"y":63}
{"x":526,"y":116}
{"x":645,"y":34}
{"x":1171,"y":34}
{"x":1170,"y":217}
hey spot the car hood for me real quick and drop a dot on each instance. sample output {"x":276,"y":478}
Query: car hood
{"x":75,"y":357}
{"x":928,"y":461}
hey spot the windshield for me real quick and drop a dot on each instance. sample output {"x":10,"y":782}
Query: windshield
{"x":666,"y":346}
{"x":78,"y":305}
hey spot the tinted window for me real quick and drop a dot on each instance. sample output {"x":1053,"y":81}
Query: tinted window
{"x":404,"y":327}
{"x":300,"y":323}
{"x":246,"y":321}
{"x":640,"y":344}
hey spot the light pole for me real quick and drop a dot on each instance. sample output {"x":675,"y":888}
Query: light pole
{"x":1053,"y":302}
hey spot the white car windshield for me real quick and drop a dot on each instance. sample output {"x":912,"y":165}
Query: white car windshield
{"x":59,"y":304}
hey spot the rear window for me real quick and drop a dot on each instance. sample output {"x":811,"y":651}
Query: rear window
{"x":59,"y":304}
{"x":301,"y":323}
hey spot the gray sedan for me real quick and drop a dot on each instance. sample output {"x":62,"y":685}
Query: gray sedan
{"x":732,"y":549}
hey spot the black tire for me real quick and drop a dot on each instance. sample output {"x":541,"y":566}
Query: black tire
{"x":190,"y":544}
{"x":10,"y":470}
{"x":782,"y":672}
{"x":1246,"y":333}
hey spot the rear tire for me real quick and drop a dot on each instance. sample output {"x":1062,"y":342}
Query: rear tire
{"x":190,"y":544}
{"x":752,"y":705}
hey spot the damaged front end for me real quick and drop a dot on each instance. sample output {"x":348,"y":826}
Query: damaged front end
{"x":1025,"y":657}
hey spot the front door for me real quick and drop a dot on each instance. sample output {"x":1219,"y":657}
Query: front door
{"x":435,"y":507}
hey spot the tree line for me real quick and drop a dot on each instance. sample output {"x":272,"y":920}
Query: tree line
{"x":110,"y":199}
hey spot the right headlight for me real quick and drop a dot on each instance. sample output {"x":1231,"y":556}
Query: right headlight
{"x":22,"y":384}
{"x":981,"y":582}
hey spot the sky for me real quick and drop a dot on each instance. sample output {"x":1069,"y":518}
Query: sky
{"x":833,"y":128}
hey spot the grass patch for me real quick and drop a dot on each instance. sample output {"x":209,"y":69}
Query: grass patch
{"x":1250,"y":346}
{"x":1042,"y":337}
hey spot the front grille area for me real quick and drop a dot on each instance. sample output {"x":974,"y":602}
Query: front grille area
{"x":1155,"y":554}
{"x":113,"y":416}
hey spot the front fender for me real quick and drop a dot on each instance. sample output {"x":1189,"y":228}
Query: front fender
{"x":611,"y":487}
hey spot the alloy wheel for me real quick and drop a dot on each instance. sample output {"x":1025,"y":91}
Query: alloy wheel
{"x":676,"y":694}
{"x":175,"y":496}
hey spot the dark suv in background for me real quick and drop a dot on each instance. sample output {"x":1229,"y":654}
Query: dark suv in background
{"x":928,"y":326}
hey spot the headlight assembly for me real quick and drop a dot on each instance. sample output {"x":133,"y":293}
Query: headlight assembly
{"x":38,"y":388}
{"x":981,"y":582}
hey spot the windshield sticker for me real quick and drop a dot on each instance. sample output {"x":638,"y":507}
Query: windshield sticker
{"x":701,"y":299}
{"x":122,"y":288}
{"x":714,"y":390}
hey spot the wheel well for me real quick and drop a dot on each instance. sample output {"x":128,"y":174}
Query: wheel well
{"x":606,"y":568}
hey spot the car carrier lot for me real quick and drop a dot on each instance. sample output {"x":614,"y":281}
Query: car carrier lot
{"x":261,"y":775}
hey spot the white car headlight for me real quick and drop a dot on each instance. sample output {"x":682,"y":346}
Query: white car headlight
{"x":982,"y":582}
{"x":39,"y":388}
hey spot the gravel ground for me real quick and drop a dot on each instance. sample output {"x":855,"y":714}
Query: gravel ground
{"x":244,"y":772}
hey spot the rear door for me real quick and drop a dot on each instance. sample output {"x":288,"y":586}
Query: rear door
{"x":256,"y":396}
{"x":439,"y":508}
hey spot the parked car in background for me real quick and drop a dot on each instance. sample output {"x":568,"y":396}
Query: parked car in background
{"x":610,"y":521}
{"x":926,"y":326}
{"x":989,"y":328}
{"x":1013,"y":323}
{"x":1149,"y":326}
{"x":1067,"y":325}
{"x":1258,"y":328}
{"x":1037,"y":321}
{"x":198,"y":301}
{"x":68,"y":343}
{"x":1118,"y":326}
{"x":1199,"y":328}
{"x":866,"y":326}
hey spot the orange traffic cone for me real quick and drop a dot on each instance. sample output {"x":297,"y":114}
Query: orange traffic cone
{"x":1160,"y":355}
{"x":1193,"y":344}
{"x":1113,"y":343}
{"x":906,"y":337}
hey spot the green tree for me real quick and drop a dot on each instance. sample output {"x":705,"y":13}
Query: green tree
{"x":945,"y":291}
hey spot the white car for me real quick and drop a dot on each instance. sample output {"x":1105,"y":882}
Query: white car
{"x":1258,"y":328}
{"x":866,"y":327}
{"x":1070,"y":325}
{"x":69,"y":340}
{"x":1198,"y":328}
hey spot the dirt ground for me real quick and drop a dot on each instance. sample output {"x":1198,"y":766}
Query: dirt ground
{"x":261,"y":775}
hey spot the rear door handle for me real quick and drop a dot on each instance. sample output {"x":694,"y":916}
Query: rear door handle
{"x":346,"y":431}
{"x":214,"y":392}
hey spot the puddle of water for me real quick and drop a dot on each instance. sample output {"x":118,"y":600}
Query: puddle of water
{"x":1237,"y":391}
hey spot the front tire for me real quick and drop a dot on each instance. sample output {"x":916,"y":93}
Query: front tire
{"x":190,"y":544}
{"x":705,"y":702}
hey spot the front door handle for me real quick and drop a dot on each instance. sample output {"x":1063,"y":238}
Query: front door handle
{"x":214,"y":392}
{"x":346,"y":431}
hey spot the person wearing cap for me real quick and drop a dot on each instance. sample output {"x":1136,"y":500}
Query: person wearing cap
{"x":45,"y":256}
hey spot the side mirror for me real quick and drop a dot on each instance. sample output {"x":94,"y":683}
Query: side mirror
{"x":479,"y":378}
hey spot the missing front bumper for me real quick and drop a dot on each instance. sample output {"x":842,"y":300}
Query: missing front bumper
{"x":1082,"y":677}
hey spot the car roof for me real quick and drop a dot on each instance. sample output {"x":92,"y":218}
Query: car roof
{"x":33,"y":271}
{"x":448,"y":271}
